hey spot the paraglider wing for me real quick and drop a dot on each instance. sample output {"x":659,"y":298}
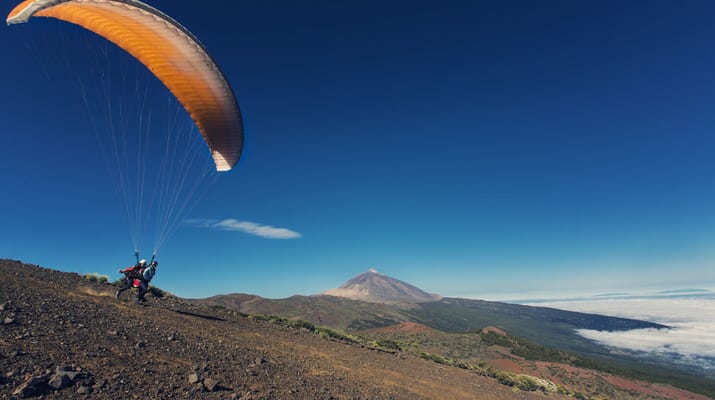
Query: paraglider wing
{"x":170,"y":52}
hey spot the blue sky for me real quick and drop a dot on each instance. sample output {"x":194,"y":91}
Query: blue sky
{"x":481,"y":149}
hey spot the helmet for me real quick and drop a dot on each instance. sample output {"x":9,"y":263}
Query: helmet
{"x":142,"y":262}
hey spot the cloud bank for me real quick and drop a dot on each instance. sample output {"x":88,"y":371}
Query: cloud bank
{"x":251,"y":228}
{"x":686,"y":339}
{"x":691,"y":339}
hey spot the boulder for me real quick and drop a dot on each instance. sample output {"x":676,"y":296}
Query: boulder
{"x":59,"y":381}
{"x":34,"y":386}
{"x":210,"y":384}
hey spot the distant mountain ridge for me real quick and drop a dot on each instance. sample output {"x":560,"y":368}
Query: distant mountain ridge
{"x":374,"y":287}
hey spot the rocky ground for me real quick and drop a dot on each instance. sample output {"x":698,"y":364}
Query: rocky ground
{"x":65,"y":337}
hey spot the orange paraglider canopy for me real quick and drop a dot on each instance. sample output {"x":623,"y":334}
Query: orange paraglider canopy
{"x":170,"y":52}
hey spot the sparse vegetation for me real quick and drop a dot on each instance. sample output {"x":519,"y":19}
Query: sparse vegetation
{"x":330,"y":334}
{"x":95,"y":277}
{"x":466,"y":350}
{"x":523,"y":348}
{"x":469,"y":350}
{"x":520,"y":381}
{"x":437,"y":358}
{"x":388,"y":344}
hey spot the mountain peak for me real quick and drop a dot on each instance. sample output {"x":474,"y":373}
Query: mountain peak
{"x":374,"y":287}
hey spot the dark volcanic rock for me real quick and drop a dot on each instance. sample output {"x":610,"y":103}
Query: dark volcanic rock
{"x":58,"y":382}
{"x":35,"y":386}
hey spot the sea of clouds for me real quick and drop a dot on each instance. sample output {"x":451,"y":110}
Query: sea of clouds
{"x":691,"y":316}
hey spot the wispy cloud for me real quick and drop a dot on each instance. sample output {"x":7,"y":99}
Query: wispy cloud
{"x":251,"y":228}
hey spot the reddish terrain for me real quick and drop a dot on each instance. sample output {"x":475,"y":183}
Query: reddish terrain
{"x":596,"y":384}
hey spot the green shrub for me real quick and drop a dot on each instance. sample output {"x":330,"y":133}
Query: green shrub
{"x":260,"y":317}
{"x":326,"y":333}
{"x":526,"y":383}
{"x":388,"y":344}
{"x":436,"y":358}
{"x":95,"y":277}
{"x":302,"y":324}
{"x":504,"y":378}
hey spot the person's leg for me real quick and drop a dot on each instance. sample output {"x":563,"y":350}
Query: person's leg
{"x":143,"y":286}
{"x":124,"y":285}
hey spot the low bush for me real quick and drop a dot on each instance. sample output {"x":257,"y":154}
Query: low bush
{"x":95,"y":277}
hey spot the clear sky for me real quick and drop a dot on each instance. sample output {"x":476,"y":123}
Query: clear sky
{"x":472,"y":148}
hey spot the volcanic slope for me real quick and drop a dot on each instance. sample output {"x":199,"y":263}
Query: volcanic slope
{"x":170,"y":349}
{"x":374,"y":287}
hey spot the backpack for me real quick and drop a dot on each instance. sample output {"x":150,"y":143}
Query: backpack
{"x":135,"y":272}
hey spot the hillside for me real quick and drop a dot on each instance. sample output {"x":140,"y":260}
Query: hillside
{"x":336,"y":312}
{"x":77,"y":341}
{"x":495,"y":350}
{"x":550,"y":333}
